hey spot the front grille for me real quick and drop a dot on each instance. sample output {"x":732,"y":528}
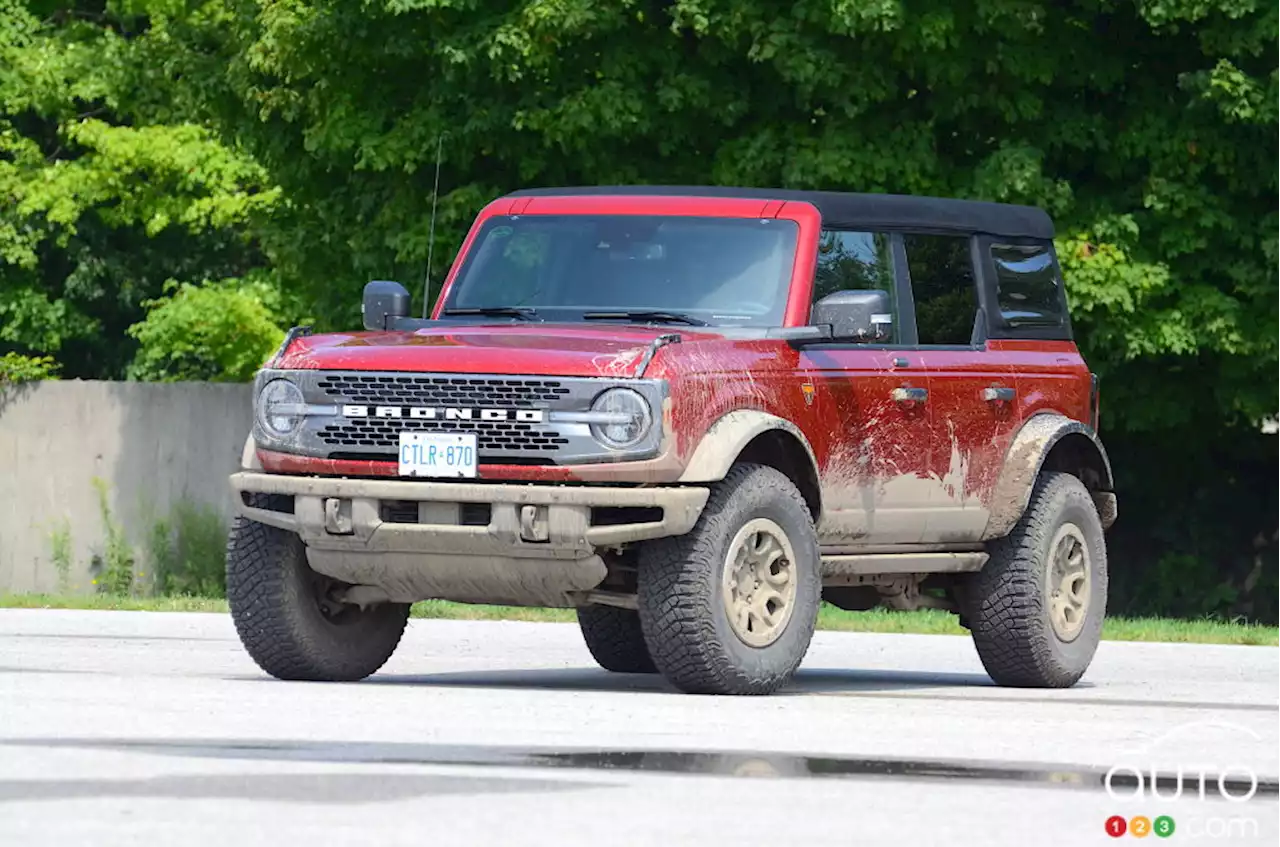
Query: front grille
{"x":411,"y":390}
{"x":492,"y":437}
{"x":440,"y":402}
{"x":511,"y":440}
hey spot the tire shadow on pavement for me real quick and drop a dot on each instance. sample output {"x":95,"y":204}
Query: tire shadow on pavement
{"x":816,"y":681}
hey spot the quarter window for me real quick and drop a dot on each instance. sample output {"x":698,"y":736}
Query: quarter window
{"x":1028,"y":286}
{"x":942,"y":286}
{"x":856,"y":261}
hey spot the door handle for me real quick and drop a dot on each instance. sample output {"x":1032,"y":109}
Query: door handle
{"x":997,"y":394}
{"x":910,"y":395}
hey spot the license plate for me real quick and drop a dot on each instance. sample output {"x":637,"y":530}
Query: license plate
{"x":437,"y":454}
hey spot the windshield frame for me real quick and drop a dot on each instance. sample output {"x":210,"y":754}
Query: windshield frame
{"x":793,"y":294}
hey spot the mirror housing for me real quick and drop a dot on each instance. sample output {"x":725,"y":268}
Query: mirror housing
{"x":856,"y":315}
{"x":383,"y":303}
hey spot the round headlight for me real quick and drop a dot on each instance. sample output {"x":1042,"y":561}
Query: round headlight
{"x":280,"y":407}
{"x":630,"y":418}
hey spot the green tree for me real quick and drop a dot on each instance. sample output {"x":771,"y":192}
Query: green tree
{"x":107,"y":192}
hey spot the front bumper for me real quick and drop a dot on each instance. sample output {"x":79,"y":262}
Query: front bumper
{"x":451,"y":518}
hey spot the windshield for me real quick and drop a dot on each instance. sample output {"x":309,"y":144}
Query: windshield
{"x":673,"y":269}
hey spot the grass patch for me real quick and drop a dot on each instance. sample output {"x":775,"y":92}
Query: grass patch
{"x":112,"y":602}
{"x":923,"y":622}
{"x":443,"y":609}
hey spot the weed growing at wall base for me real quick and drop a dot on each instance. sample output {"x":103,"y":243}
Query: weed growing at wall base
{"x":60,"y":553}
{"x":187,"y":552}
{"x":113,"y":567}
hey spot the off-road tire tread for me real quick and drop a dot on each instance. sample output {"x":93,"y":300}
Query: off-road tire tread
{"x":677,"y":616}
{"x":259,"y":594}
{"x":1006,"y":616}
{"x":615,"y":640}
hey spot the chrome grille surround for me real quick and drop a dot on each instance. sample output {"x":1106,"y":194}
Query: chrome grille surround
{"x":327,"y":433}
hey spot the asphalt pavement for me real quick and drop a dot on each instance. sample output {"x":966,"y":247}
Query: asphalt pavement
{"x":157,"y":729}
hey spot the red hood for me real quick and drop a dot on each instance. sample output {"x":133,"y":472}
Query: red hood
{"x":546,"y":349}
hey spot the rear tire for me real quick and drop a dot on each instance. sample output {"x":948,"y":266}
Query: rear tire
{"x":278,"y":604}
{"x":753,"y":554}
{"x":1036,"y":608}
{"x":614,"y":638}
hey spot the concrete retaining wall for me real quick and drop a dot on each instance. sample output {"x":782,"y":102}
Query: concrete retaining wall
{"x":152,"y":445}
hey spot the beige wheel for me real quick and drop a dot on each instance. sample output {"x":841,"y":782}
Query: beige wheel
{"x":1036,"y":608}
{"x":759,"y":582}
{"x":730,"y":607}
{"x":1068,"y":583}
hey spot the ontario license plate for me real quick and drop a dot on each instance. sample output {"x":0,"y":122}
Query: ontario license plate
{"x":438,"y":454}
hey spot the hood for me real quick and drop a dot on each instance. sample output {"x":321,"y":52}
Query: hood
{"x":543,"y":349}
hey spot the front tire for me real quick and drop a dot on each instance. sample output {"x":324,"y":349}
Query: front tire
{"x":730,"y":607}
{"x":1036,"y":608}
{"x":614,"y":638}
{"x":287,"y":619}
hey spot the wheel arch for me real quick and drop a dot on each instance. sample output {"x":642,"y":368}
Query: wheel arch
{"x":749,"y":435}
{"x":1050,"y":442}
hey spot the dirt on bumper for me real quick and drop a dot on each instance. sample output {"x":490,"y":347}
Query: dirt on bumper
{"x":523,"y":544}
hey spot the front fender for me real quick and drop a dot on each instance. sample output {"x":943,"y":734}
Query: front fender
{"x":1026,"y":458}
{"x":728,"y":436}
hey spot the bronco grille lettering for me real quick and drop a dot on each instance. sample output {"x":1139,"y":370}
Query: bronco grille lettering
{"x":447,"y":413}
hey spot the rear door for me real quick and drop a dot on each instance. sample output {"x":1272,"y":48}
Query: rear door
{"x":972,"y":389}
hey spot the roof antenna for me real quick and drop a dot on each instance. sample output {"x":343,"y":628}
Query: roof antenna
{"x":431,"y":237}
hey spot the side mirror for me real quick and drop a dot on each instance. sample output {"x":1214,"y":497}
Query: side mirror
{"x":383,"y":303}
{"x":856,"y":315}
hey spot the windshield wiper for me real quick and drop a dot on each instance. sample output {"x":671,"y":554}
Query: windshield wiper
{"x":495,"y":312}
{"x":648,"y":317}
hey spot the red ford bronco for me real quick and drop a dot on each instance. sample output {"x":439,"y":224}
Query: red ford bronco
{"x":691,"y":414}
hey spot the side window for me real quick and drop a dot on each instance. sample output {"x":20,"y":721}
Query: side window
{"x":856,"y":261}
{"x":942,"y":285}
{"x":1028,"y":287}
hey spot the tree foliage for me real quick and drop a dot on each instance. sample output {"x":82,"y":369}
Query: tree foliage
{"x":100,"y":204}
{"x":16,"y":368}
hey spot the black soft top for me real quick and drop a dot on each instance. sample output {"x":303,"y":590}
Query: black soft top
{"x":844,"y":210}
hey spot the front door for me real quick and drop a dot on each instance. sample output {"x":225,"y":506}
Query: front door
{"x":875,"y":474}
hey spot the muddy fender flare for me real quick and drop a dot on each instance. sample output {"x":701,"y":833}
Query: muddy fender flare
{"x":1078,"y":451}
{"x":726,"y":439}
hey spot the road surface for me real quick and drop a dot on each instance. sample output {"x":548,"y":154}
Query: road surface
{"x":156,"y":729}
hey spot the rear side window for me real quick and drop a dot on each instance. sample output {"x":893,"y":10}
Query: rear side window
{"x":1028,"y":285}
{"x":942,"y":285}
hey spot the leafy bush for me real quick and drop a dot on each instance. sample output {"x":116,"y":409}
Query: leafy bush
{"x":220,"y":331}
{"x":16,"y":368}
